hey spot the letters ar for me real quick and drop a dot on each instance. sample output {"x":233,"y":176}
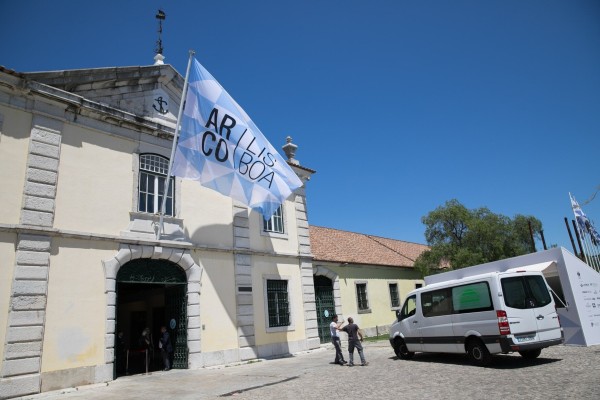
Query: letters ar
{"x":252,"y":164}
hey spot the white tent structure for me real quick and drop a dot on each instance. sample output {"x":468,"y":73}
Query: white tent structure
{"x":575,"y":284}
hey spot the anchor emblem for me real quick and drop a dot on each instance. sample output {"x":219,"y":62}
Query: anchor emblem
{"x":160,"y":108}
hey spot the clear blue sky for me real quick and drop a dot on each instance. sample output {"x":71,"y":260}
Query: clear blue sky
{"x":398,"y":105}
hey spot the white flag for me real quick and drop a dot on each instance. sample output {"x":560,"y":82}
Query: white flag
{"x":585,"y":225}
{"x":220,"y":147}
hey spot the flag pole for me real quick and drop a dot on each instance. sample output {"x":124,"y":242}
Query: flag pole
{"x":581,"y":235}
{"x":175,"y":137}
{"x":585,"y":229}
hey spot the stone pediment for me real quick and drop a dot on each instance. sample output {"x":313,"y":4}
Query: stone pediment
{"x":152,"y":92}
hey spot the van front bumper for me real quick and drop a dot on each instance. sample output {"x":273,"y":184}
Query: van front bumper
{"x":508,"y":345}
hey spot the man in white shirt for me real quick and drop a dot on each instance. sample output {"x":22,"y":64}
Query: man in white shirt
{"x":335,"y":339}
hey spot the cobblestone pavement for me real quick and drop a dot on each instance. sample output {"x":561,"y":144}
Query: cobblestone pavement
{"x":561,"y":372}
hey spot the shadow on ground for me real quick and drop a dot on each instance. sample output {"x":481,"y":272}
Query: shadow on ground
{"x":498,"y":361}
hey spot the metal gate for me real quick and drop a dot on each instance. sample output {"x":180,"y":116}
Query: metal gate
{"x":325,"y":306}
{"x":175,"y":310}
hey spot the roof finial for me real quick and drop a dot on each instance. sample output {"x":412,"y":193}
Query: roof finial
{"x":158,"y":58}
{"x":290,"y":151}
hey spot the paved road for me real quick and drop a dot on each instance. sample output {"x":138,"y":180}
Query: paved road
{"x":561,"y":372}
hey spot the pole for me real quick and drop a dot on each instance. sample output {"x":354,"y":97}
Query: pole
{"x":588,"y":250}
{"x":591,"y":250}
{"x":596,"y":259}
{"x":583,"y":255}
{"x":543,"y":239}
{"x":571,"y":237}
{"x":531,"y":234}
{"x":175,"y":137}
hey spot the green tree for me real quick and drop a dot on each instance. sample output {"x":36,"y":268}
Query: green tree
{"x":459,"y":237}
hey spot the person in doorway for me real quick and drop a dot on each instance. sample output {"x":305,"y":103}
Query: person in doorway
{"x":355,"y":337}
{"x":145,"y":341}
{"x":334,"y":327}
{"x":146,"y":348}
{"x":121,"y":353}
{"x":166,"y":348}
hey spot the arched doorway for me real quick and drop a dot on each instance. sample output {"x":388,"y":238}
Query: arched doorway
{"x":325,"y":306}
{"x":150,"y":294}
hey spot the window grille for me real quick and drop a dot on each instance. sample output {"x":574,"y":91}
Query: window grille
{"x":153,"y":174}
{"x":154,"y":163}
{"x":278,"y":303}
{"x":394,"y":296}
{"x":361,"y":296}
{"x":275,"y":223}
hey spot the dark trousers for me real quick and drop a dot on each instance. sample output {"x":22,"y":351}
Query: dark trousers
{"x":352,"y":344}
{"x":339,"y":357}
{"x":166,"y":358}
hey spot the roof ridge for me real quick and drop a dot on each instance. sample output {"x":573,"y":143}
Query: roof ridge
{"x":389,"y":248}
{"x":368,"y":235}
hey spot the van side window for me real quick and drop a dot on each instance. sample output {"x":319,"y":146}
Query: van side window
{"x":409,"y":308}
{"x":473,"y":297}
{"x":527,"y":291}
{"x":436,"y":303}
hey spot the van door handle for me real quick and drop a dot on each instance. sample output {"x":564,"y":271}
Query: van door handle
{"x":540,"y":317}
{"x":415,"y":322}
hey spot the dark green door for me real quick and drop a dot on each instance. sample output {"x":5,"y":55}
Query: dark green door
{"x":175,"y":312}
{"x":325,"y":306}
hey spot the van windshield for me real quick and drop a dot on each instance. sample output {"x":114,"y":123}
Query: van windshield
{"x":528,"y":291}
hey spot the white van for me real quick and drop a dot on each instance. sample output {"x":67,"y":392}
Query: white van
{"x":497,"y":312}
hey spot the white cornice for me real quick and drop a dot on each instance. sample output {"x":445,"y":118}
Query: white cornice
{"x":26,"y":229}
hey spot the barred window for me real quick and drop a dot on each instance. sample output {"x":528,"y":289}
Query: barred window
{"x":361,"y":296}
{"x":394,"y":296}
{"x":153,"y":174}
{"x":275,"y":223}
{"x":278,"y":303}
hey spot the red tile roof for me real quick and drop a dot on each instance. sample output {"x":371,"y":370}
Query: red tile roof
{"x":333,"y":245}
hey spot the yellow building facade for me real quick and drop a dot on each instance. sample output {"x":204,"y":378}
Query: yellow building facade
{"x":82,"y":158}
{"x":361,"y":276}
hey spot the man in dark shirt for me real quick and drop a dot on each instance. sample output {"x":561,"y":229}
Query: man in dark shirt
{"x":355,"y":338}
{"x":166,"y":348}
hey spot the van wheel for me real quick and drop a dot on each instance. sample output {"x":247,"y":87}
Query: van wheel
{"x":530,"y":354}
{"x":478,"y":353}
{"x":401,"y":350}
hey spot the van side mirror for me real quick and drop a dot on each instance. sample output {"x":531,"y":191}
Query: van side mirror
{"x":398,"y":314}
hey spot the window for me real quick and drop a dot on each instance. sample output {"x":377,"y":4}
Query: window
{"x":436,"y":303}
{"x":275,"y":223}
{"x":409,"y":308}
{"x":278,"y":303}
{"x":153,"y":173}
{"x":473,"y":297}
{"x":525,"y":292}
{"x":361,"y":297}
{"x":394,"y":296}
